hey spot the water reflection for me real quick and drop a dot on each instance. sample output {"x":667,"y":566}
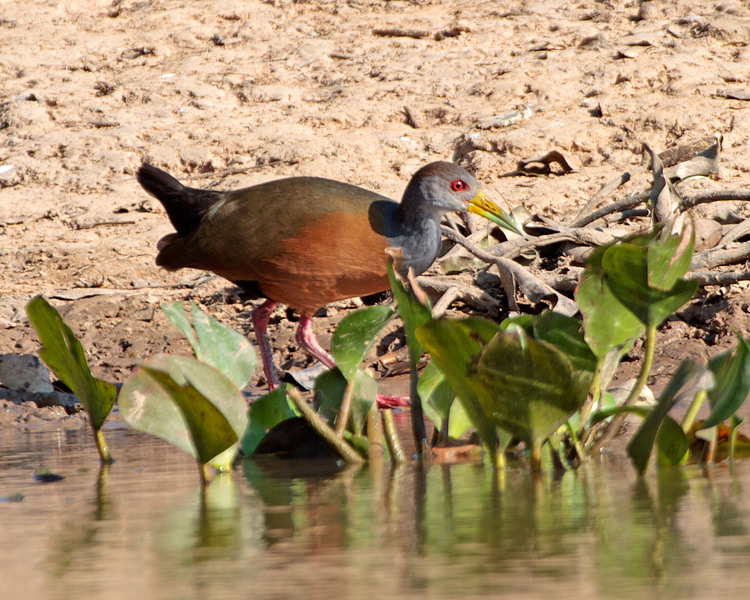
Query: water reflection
{"x":299,"y":530}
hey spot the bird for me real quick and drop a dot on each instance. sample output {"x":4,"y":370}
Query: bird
{"x":308,"y":241}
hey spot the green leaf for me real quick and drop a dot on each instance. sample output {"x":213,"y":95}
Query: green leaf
{"x":209,"y":430}
{"x":611,"y":361}
{"x":330,"y":387}
{"x":627,"y":275}
{"x":527,"y":387}
{"x":413,"y":313}
{"x":642,"y":443}
{"x":525,"y":322}
{"x":359,"y":442}
{"x":566,"y":334}
{"x":732,"y":374}
{"x":645,"y":272}
{"x":608,"y":323}
{"x":214,"y":343}
{"x":734,"y":424}
{"x":669,"y":256}
{"x":187,"y":403}
{"x":439,"y":403}
{"x":175,"y":314}
{"x":265,"y":413}
{"x":355,"y":336}
{"x":454,"y":346}
{"x":224,"y":348}
{"x":363,"y":398}
{"x":64,"y":355}
{"x":671,"y":443}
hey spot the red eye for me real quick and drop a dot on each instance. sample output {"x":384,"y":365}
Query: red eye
{"x":458,"y":185}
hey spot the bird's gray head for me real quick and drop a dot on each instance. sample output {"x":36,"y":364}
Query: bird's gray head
{"x":441,"y":187}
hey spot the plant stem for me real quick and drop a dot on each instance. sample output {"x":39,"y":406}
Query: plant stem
{"x":421,"y":443}
{"x":711,"y":456}
{"x":101,"y":446}
{"x":577,"y":444}
{"x":536,"y":456}
{"x":648,"y":361}
{"x":346,"y":403}
{"x":593,"y":400}
{"x":321,"y":427}
{"x":391,"y":438}
{"x":692,"y":411}
{"x":375,"y":435}
{"x":203,"y":474}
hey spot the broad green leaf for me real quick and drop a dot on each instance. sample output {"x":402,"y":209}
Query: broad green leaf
{"x":265,"y":413}
{"x":187,"y":403}
{"x":359,"y":442}
{"x":454,"y":346}
{"x":330,"y":387}
{"x":355,"y":336}
{"x":209,"y":430}
{"x":438,"y":401}
{"x":64,"y":355}
{"x":175,"y":314}
{"x":671,"y":443}
{"x":363,"y":398}
{"x":329,"y":392}
{"x":627,"y":275}
{"x":566,"y":334}
{"x":642,"y":443}
{"x":608,"y":323}
{"x":525,"y":322}
{"x":224,"y":348}
{"x":413,"y":313}
{"x":732,"y":374}
{"x":611,"y":361}
{"x":669,"y":256}
{"x":214,"y":343}
{"x":527,"y":387}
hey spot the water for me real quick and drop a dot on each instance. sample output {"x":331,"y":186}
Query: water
{"x":142,"y":531}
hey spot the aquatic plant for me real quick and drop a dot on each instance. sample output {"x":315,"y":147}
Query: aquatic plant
{"x":64,"y":355}
{"x":194,"y":403}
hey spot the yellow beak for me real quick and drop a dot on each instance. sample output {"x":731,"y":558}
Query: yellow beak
{"x":483,"y":206}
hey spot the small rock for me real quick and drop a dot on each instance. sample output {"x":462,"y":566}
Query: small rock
{"x":647,"y":11}
{"x":24,"y":372}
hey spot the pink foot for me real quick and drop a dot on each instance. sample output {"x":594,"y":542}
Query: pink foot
{"x":309,"y":342}
{"x":387,"y":401}
{"x":260,"y":325}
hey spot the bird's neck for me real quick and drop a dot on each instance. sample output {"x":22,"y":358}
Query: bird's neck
{"x":419,"y":235}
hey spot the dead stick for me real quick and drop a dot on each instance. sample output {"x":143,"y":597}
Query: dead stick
{"x":534,"y":288}
{"x":624,"y":204}
{"x":717,"y":257}
{"x":605,"y":191}
{"x":705,"y":278}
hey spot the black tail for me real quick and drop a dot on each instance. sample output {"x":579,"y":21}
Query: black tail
{"x":185,"y":206}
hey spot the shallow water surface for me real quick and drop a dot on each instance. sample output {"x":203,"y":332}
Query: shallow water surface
{"x":284,"y":530}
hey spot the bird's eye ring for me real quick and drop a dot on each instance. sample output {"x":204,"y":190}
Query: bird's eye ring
{"x":459,"y":185}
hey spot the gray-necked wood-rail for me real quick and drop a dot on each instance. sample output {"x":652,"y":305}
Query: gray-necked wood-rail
{"x":308,"y":241}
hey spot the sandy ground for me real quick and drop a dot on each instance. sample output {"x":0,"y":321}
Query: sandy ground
{"x":229,"y":93}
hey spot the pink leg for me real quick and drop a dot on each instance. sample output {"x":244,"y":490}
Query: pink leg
{"x":260,"y":324}
{"x":308,"y":342}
